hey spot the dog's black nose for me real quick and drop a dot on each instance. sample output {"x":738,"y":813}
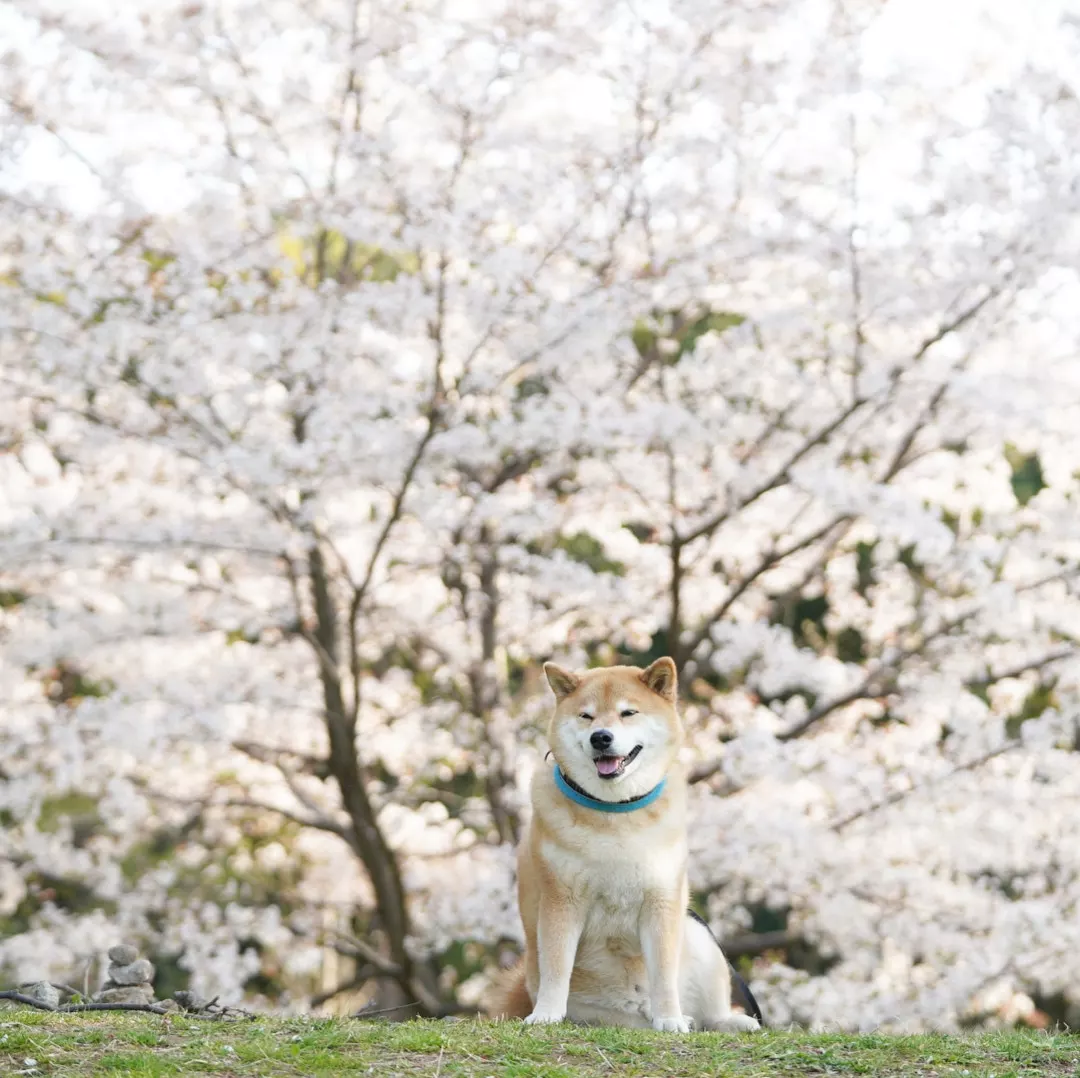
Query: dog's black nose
{"x":601,"y":739}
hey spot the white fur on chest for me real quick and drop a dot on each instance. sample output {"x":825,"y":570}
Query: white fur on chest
{"x":609,"y":876}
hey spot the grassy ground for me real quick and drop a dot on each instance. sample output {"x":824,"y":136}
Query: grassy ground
{"x":33,"y":1043}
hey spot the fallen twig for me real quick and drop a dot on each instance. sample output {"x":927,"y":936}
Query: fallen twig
{"x":210,"y":1013}
{"x":18,"y":997}
{"x":147,"y":1008}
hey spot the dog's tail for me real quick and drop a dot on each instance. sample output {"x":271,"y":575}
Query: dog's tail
{"x":750,"y":1003}
{"x":509,"y":997}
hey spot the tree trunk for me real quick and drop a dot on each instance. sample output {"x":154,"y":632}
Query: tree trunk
{"x":367,"y":839}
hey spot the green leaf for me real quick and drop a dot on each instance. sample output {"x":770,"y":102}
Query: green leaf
{"x":713,"y":322}
{"x":864,"y":567}
{"x":157,"y":260}
{"x":1027,"y":474}
{"x":850,"y":647}
{"x":1035,"y":703}
{"x":642,"y":531}
{"x":661,"y":325}
{"x":70,"y":806}
{"x":581,"y":547}
{"x":643,"y":338}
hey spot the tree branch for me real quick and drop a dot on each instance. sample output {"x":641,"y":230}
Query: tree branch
{"x":433,"y":413}
{"x":145,"y":1008}
{"x":869,"y":689}
{"x":270,"y":754}
{"x":327,"y":661}
{"x":757,"y":943}
{"x":902,"y":795}
{"x":319,"y":823}
{"x":772,"y":558}
{"x":363,"y":975}
{"x":779,"y":477}
{"x":904,"y":446}
{"x":959,"y":321}
{"x":878,"y":681}
{"x":1022,"y":668}
{"x":351,"y":92}
{"x":357,"y":948}
{"x":704,"y":771}
{"x":486,"y":694}
{"x":159,"y":544}
{"x":29,"y":1001}
{"x":854,"y":265}
{"x":388,"y":968}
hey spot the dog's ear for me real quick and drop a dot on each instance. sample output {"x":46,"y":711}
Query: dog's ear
{"x":662,"y":678}
{"x":562,"y":682}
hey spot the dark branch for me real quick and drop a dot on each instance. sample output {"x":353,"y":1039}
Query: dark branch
{"x":873,"y":686}
{"x":905,"y":444}
{"x":882,"y":680}
{"x":779,"y":477}
{"x":1021,"y":668}
{"x":770,"y":559}
{"x":433,"y":415}
{"x":29,"y":1001}
{"x":159,"y":544}
{"x":145,"y":1008}
{"x":363,"y":975}
{"x":270,"y":754}
{"x":319,"y":823}
{"x":704,"y":771}
{"x":757,"y":943}
{"x":902,"y":795}
{"x":965,"y":316}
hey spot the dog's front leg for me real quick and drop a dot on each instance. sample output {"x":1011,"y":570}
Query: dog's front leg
{"x":558,"y":929}
{"x":661,"y":945}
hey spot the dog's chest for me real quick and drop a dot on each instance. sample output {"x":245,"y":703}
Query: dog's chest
{"x":612,"y":874}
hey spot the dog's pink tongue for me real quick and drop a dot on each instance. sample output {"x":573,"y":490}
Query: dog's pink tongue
{"x":608,"y":765}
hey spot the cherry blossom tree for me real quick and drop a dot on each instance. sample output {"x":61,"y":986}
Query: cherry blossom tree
{"x":356,"y":359}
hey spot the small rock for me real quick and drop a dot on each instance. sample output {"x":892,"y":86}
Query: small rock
{"x":44,"y":992}
{"x":123,"y":954}
{"x":169,"y":1005}
{"x":141,"y":971}
{"x":140,"y":993}
{"x":190,"y":1001}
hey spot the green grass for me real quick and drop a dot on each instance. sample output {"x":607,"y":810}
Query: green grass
{"x":141,"y":1045}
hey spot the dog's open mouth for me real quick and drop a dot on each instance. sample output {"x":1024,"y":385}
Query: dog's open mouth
{"x":609,"y":767}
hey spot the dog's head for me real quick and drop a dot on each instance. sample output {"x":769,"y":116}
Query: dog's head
{"x":616,"y":730}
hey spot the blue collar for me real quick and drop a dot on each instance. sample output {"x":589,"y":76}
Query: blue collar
{"x":576,"y":794}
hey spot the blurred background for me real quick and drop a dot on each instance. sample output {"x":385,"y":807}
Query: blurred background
{"x":357,"y":356}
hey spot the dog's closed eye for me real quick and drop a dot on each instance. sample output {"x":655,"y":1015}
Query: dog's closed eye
{"x":585,"y":715}
{"x":627,"y":712}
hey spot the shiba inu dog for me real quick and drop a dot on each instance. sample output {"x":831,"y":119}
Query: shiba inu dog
{"x":602,"y":884}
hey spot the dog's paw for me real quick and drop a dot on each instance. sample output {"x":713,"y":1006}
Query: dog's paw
{"x":544,"y":1018}
{"x":746,"y":1024}
{"x":678,"y":1024}
{"x":741,"y":1023}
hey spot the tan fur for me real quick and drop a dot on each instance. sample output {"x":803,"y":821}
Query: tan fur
{"x":603,"y":896}
{"x":509,"y":996}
